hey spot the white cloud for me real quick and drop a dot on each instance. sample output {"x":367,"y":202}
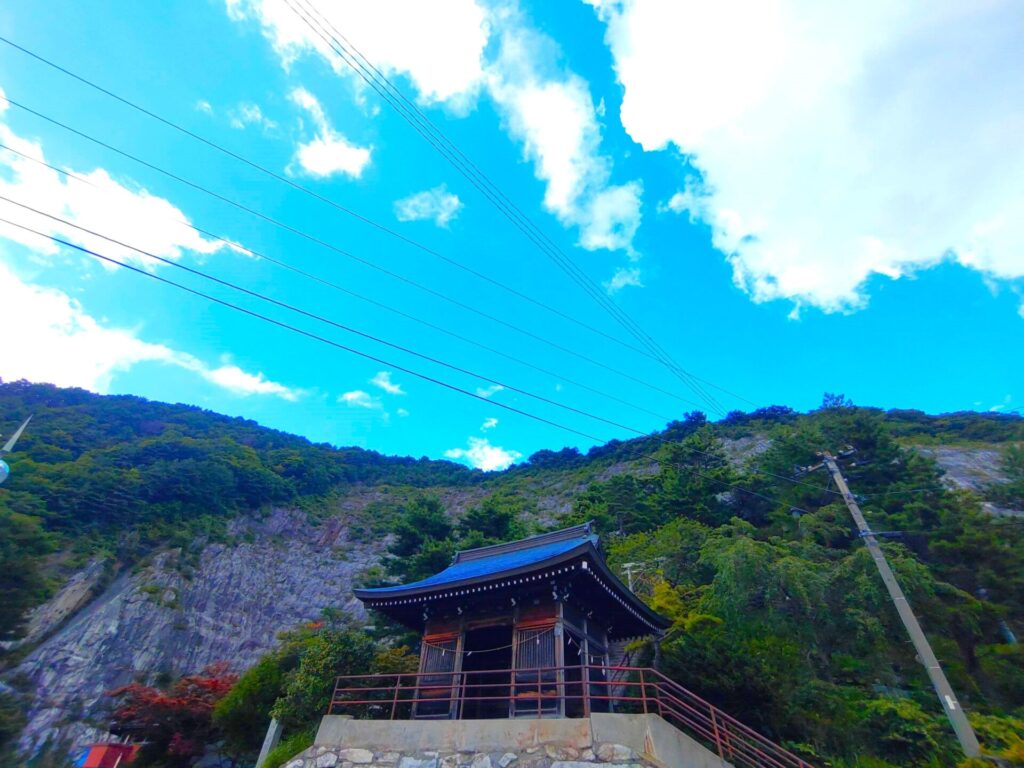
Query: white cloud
{"x":401,"y":412}
{"x":383,"y":381}
{"x":835,"y":142}
{"x":482,"y":455}
{"x":623,"y":277}
{"x":248,"y":113}
{"x":204,"y":106}
{"x":553,"y":114}
{"x":357,"y":398}
{"x":490,"y":423}
{"x":328,"y":152}
{"x":437,"y":204}
{"x":57,"y":341}
{"x":439,"y":45}
{"x":127,"y":213}
{"x":1003,"y":406}
{"x":453,"y":50}
{"x":132,"y":215}
{"x":490,"y":390}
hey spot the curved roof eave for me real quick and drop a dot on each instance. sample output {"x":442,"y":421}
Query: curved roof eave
{"x":586,"y":547}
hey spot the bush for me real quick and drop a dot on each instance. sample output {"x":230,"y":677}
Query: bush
{"x":289,"y":748}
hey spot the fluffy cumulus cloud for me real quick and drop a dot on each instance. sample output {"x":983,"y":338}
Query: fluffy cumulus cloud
{"x":551,"y":112}
{"x":480,"y":454}
{"x":454,"y":50}
{"x":94,"y":200}
{"x":359,"y":398}
{"x":490,"y":390}
{"x":328,"y":152}
{"x":490,"y":423}
{"x":834,"y":142}
{"x":383,"y":381}
{"x":437,"y":205}
{"x":623,"y":277}
{"x":57,"y":341}
{"x":439,"y":45}
{"x":248,"y":113}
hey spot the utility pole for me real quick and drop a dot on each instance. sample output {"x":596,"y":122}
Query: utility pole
{"x":628,"y":568}
{"x":950,"y":705}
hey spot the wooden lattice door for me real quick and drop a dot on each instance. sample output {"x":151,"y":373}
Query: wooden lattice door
{"x":437,"y":684}
{"x":536,"y":688}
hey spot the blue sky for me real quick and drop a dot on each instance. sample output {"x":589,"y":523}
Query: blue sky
{"x":788,"y":200}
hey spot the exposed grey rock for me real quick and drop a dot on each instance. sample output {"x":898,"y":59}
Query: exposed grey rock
{"x":967,"y":467}
{"x":356,"y":756}
{"x":507,"y":759}
{"x":281,"y":572}
{"x":76,"y":592}
{"x":416,"y":762}
{"x":612,"y":752}
{"x":328,"y":760}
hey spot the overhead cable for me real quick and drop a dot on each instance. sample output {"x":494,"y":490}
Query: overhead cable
{"x":422,"y":125}
{"x":390,"y":364}
{"x":347,"y":254}
{"x":374,"y":302}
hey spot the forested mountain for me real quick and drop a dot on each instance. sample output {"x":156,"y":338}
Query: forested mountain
{"x":140,"y":542}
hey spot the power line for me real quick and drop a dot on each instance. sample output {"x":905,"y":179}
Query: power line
{"x":472,"y":173}
{"x":483,"y":377}
{"x":320,"y":318}
{"x":324,"y":199}
{"x":454,"y":155}
{"x":361,"y":297}
{"x":345,"y":348}
{"x":295,"y":329}
{"x":347,"y":254}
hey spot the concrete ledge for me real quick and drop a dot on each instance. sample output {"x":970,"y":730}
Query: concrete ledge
{"x":646,"y":735}
{"x":453,"y":735}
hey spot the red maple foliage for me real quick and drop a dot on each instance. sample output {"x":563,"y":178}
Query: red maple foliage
{"x":176,"y":723}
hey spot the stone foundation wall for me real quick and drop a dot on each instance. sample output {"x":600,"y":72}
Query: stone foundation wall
{"x":603,"y":739}
{"x":547,"y":756}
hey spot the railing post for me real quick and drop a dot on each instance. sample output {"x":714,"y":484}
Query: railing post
{"x":643,"y":690}
{"x":538,"y":692}
{"x":394,"y":701}
{"x":585,"y":688}
{"x":718,"y":736}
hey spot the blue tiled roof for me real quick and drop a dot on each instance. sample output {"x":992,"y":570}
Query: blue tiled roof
{"x":485,"y":567}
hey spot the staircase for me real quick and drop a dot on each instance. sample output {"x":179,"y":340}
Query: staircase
{"x":733,"y":741}
{"x":565,"y":692}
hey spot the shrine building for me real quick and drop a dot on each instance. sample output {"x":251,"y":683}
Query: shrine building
{"x":517,"y":629}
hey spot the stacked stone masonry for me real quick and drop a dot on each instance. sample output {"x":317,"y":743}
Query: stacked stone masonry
{"x":547,"y":756}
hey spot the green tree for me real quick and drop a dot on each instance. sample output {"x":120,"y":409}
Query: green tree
{"x":695,"y":479}
{"x":23,"y":542}
{"x":243,"y":714}
{"x":498,"y":518}
{"x":325,"y":654}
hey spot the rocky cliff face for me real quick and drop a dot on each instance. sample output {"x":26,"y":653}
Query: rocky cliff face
{"x":176,"y":617}
{"x":229,"y":606}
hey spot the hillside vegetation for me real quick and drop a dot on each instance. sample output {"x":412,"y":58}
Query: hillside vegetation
{"x":778,"y":614}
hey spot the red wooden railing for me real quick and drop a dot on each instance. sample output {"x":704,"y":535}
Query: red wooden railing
{"x":564,"y":690}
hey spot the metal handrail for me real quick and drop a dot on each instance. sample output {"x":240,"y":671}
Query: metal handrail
{"x":535,"y":691}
